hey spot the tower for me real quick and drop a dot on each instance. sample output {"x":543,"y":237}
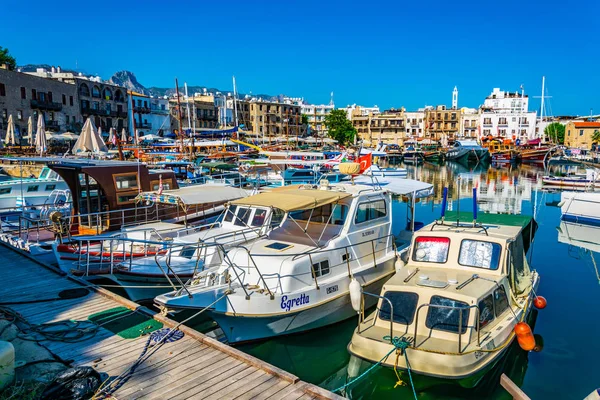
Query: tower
{"x":455,"y":98}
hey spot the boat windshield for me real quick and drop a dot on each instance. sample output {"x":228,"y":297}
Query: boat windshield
{"x":404,"y":305}
{"x":479,"y":254}
{"x":431,"y":249}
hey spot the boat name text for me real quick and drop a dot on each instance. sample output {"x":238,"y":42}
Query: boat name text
{"x":287,"y":305}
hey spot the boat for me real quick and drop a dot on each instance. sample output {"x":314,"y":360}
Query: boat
{"x":573,"y":181}
{"x":467,"y":151}
{"x":450,"y":313}
{"x":502,"y":151}
{"x":375,"y":170}
{"x":580,"y":207}
{"x":296,"y":277}
{"x":412,"y":154}
{"x":535,"y":152}
{"x":30,"y":191}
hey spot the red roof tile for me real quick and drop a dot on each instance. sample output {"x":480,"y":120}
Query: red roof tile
{"x":587,"y":124}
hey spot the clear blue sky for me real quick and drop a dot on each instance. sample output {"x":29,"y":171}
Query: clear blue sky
{"x":396,"y":53}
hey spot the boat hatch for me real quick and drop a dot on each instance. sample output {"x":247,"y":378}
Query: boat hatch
{"x":278,"y":246}
{"x":425,"y":281}
{"x":431,"y":249}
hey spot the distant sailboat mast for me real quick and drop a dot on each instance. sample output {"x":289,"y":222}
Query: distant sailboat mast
{"x":235,"y":117}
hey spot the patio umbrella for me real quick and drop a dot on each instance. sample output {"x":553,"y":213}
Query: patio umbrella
{"x":137,"y":135}
{"x":40,"y":136}
{"x":111,"y":135}
{"x":69,"y":136}
{"x":123,"y":136}
{"x":10,"y":131}
{"x":89,"y":140}
{"x":100,"y":131}
{"x":30,"y":131}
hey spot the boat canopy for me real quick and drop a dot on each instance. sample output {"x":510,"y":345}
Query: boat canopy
{"x":197,"y":194}
{"x":218,"y":165}
{"x":398,"y":186}
{"x":292,"y":198}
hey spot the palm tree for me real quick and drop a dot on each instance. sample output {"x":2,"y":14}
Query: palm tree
{"x":596,"y":137}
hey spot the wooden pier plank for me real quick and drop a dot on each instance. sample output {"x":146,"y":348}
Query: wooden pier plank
{"x":194,"y":367}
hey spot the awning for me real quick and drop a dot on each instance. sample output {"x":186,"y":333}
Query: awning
{"x":398,"y":186}
{"x":197,"y":194}
{"x":291,"y":198}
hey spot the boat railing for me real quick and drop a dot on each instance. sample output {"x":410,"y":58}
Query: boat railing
{"x":460,"y":323}
{"x":349,"y":257}
{"x":197,"y":228}
{"x":100,"y":220}
{"x":27,"y":225}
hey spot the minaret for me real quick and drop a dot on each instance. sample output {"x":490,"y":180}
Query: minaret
{"x":455,"y":98}
{"x":331,"y":101}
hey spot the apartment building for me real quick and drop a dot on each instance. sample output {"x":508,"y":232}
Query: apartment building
{"x":442,"y":123}
{"x":579,"y":134}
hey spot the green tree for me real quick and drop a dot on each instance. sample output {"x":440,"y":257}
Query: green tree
{"x":596,"y":137}
{"x":339,"y":127}
{"x":6,"y":58}
{"x":556,"y":132}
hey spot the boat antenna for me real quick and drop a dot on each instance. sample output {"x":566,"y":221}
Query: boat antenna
{"x":474,"y":207}
{"x":444,"y":203}
{"x":458,"y":202}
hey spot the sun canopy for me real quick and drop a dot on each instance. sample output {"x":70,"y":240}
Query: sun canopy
{"x":398,"y":186}
{"x":291,"y":198}
{"x":197,"y":194}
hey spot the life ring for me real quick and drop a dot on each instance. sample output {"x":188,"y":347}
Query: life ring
{"x":245,"y":167}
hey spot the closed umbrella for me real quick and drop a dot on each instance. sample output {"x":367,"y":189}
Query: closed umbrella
{"x":123,"y":136}
{"x":30,"y":131}
{"x":89,"y":140}
{"x":10,"y":131}
{"x":111,"y":136}
{"x":40,"y":136}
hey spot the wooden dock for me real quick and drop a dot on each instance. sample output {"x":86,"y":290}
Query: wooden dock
{"x":194,"y":367}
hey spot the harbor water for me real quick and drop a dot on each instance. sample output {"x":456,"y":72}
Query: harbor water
{"x":566,"y":368}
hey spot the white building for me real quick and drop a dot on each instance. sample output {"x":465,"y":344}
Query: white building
{"x":469,"y":123}
{"x":363,"y":111}
{"x":505,"y":114}
{"x":414,"y":123}
{"x":151,"y":114}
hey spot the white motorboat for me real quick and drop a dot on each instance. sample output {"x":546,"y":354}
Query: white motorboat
{"x":573,"y":181}
{"x":375,"y":170}
{"x":22,"y":192}
{"x":580,"y":207}
{"x":296,"y":277}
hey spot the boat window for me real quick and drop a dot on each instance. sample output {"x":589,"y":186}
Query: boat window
{"x":243,"y":215}
{"x":230,"y":213}
{"x":475,"y":253}
{"x":322,"y":214}
{"x":50,"y":187}
{"x":500,"y":300}
{"x":126,"y":182}
{"x":445,"y":318}
{"x":486,"y":311}
{"x":44,"y":173}
{"x":431,"y":249}
{"x":188,"y":252}
{"x":276,"y":217}
{"x":259,"y":217}
{"x":404,"y":305}
{"x":126,"y":198}
{"x":6,"y":190}
{"x":370,"y":211}
{"x":321,"y":268}
{"x":33,"y":188}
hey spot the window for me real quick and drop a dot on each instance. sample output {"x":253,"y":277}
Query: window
{"x":33,"y":94}
{"x":187,"y":252}
{"x":320,"y":268}
{"x":84,"y":90}
{"x":50,"y":187}
{"x":96,"y":92}
{"x":20,"y":115}
{"x":333,"y":214}
{"x":2,"y":89}
{"x":32,"y":188}
{"x":230,"y":213}
{"x":431,"y":249}
{"x":126,"y":182}
{"x":64,"y":99}
{"x":243,"y":216}
{"x":67,"y":119}
{"x":404,"y":305}
{"x":259,"y":217}
{"x":23,"y":93}
{"x":370,"y":211}
{"x":5,"y":113}
{"x":126,"y":198}
{"x":6,"y":190}
{"x":500,"y":300}
{"x":70,"y":100}
{"x":445,"y":318}
{"x":475,"y":253}
{"x":486,"y":311}
{"x":581,"y":132}
{"x":96,"y":106}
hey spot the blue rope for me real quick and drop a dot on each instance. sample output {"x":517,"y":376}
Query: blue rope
{"x":399,"y":344}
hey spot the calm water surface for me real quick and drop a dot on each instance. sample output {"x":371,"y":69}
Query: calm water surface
{"x":565,"y":256}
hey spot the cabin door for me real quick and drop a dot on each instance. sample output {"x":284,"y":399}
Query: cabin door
{"x":93,"y":207}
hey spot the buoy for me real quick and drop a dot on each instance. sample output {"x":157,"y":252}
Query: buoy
{"x":355,"y":295}
{"x":7,"y":364}
{"x":524,"y":336}
{"x":540,"y":302}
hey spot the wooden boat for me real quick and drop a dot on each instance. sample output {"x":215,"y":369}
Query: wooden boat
{"x":455,"y":305}
{"x":502,"y":151}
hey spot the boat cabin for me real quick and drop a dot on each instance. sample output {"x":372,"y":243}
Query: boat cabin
{"x":104,"y":192}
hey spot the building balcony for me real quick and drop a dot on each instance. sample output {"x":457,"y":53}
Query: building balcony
{"x":159,"y":111}
{"x":46,"y":105}
{"x":141,"y":110}
{"x":487,"y":125}
{"x":52,"y":126}
{"x":122,"y":114}
{"x":114,"y":114}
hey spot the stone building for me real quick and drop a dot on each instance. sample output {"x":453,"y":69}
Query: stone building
{"x":270,"y":119}
{"x":579,"y":134}
{"x":442,"y":123}
{"x":203,"y":113}
{"x":105,"y":103}
{"x":387,"y":127}
{"x":23,"y":96}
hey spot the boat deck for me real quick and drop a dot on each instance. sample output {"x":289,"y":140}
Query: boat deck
{"x":193,"y":367}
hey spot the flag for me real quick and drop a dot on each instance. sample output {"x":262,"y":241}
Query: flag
{"x":365,"y":162}
{"x":160,"y":184}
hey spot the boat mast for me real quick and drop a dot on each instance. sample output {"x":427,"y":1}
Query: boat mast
{"x":542,"y":109}
{"x":179,"y":113}
{"x":235,"y":118}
